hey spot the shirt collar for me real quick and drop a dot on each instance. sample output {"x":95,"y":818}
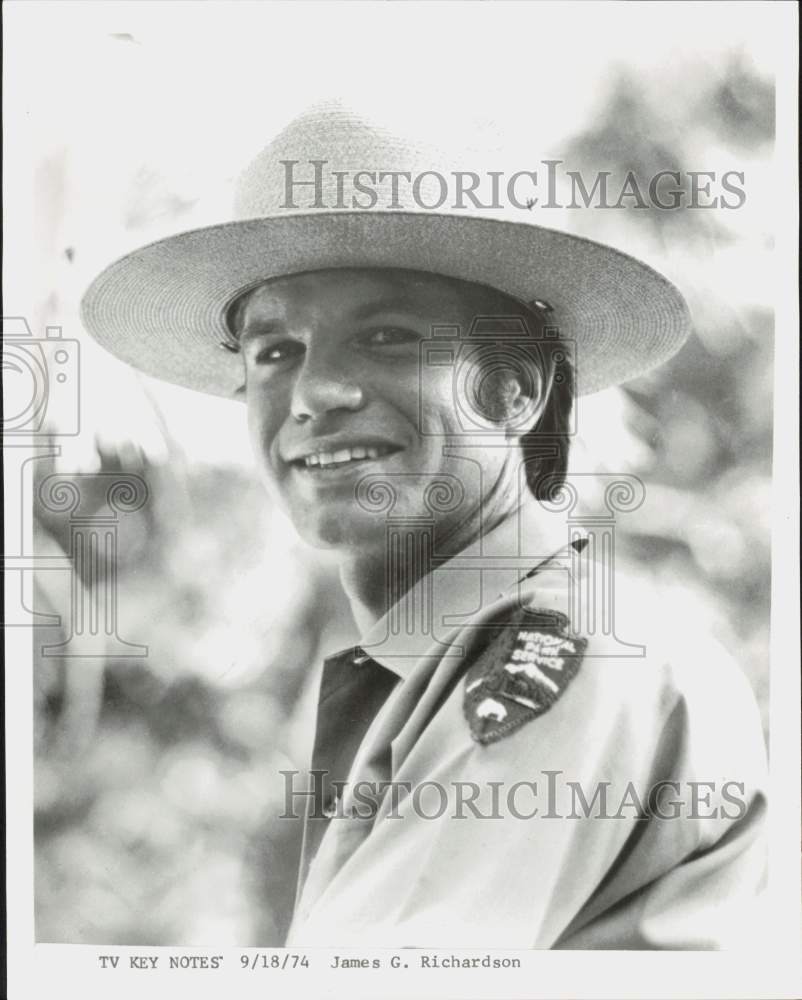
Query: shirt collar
{"x":456,"y":590}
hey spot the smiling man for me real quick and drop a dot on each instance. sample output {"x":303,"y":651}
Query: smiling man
{"x":488,"y":768}
{"x":336,"y":391}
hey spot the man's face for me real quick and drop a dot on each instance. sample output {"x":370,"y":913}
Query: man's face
{"x":336,"y":392}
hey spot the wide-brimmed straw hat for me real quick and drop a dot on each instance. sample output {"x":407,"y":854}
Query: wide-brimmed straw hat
{"x":301,"y":206}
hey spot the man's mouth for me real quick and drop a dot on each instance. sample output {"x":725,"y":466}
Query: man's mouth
{"x":321,"y":461}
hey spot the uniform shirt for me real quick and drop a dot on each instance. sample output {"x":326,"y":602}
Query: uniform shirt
{"x":615,"y":771}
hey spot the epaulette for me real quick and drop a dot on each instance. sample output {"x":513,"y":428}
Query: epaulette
{"x":521,"y":673}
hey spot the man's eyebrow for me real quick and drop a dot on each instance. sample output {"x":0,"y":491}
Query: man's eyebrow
{"x":260,"y":328}
{"x":264,"y":327}
{"x":387,"y":304}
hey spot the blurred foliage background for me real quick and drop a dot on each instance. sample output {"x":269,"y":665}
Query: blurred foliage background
{"x":157,"y":786}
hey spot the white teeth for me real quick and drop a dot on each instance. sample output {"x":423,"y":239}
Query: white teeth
{"x":355,"y":454}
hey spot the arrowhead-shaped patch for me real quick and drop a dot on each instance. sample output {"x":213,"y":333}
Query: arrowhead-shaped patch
{"x":521,"y":674}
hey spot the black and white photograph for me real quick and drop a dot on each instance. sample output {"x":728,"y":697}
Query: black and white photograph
{"x":401,"y":487}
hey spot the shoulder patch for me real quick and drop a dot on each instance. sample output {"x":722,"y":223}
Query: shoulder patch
{"x":521,"y":673}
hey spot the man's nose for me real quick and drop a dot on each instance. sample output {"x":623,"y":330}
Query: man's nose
{"x":323,"y":384}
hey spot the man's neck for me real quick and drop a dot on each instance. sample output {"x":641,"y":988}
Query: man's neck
{"x":375,"y":579}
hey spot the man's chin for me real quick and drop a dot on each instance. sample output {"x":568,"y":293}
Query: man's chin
{"x":336,"y":530}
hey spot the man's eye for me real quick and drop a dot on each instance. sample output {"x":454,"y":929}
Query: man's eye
{"x":384,"y":336}
{"x":276,"y":354}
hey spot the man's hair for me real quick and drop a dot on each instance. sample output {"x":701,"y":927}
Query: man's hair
{"x":546,"y":445}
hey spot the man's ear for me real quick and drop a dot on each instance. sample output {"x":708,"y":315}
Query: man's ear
{"x":507,"y":397}
{"x":526,"y":402}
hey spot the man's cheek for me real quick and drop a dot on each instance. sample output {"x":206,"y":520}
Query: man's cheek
{"x":262,"y":434}
{"x":432,"y":400}
{"x":437,"y":411}
{"x":438,"y":422}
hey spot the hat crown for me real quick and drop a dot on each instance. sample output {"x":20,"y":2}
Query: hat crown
{"x":332,"y":158}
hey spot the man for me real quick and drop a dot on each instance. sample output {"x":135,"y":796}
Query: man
{"x":488,"y":769}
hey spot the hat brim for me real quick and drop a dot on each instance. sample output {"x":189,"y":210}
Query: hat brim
{"x":162,"y":307}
